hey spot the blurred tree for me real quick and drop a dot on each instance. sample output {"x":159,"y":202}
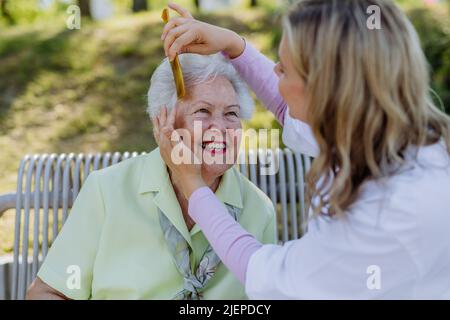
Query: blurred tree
{"x":435,"y":40}
{"x":139,"y":5}
{"x":5,"y":13}
{"x":197,"y":4}
{"x":85,"y":8}
{"x":253,"y":3}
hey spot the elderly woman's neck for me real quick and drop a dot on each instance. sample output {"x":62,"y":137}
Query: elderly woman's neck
{"x":212,"y":183}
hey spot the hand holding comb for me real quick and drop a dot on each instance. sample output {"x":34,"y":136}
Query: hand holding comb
{"x":175,"y":64}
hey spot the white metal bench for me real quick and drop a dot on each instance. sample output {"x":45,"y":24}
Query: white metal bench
{"x":48,"y":184}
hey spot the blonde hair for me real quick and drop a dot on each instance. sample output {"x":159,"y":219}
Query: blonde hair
{"x":367,"y":94}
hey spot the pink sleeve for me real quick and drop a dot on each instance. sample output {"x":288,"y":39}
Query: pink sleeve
{"x":230,"y":241}
{"x":258,"y":72}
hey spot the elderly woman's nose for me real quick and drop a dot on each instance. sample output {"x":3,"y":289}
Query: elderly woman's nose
{"x":218,"y":123}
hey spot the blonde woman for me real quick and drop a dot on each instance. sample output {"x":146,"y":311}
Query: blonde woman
{"x":358,"y":100}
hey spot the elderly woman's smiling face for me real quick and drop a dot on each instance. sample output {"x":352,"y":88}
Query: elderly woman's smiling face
{"x":214,"y":106}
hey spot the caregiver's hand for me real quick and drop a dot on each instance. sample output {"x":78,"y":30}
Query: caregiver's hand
{"x":186,"y":35}
{"x":186,"y":174}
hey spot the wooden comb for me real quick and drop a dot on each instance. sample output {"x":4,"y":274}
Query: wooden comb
{"x":175,"y":64}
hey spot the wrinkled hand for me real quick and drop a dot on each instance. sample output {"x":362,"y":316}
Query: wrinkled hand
{"x":186,"y":35}
{"x":187,"y":175}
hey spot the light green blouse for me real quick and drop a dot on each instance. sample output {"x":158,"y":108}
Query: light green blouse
{"x":112,"y":245}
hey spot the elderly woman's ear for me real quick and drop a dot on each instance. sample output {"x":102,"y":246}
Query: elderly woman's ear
{"x":157,"y":123}
{"x":163,"y":123}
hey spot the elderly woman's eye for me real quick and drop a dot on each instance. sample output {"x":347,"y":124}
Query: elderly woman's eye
{"x":202,"y":110}
{"x":232,"y":113}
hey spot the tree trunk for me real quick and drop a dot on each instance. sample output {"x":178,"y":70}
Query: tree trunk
{"x":5,"y":13}
{"x":253,"y":3}
{"x":197,"y":4}
{"x":139,"y":5}
{"x":85,"y":8}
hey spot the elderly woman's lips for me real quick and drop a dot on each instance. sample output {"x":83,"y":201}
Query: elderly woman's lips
{"x":214,"y":144}
{"x":214,"y":147}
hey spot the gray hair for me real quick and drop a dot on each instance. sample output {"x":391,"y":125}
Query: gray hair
{"x":196,"y":69}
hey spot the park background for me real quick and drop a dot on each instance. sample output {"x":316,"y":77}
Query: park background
{"x":64,"y":91}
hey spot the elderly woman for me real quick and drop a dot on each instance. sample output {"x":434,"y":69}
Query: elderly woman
{"x":129,"y":235}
